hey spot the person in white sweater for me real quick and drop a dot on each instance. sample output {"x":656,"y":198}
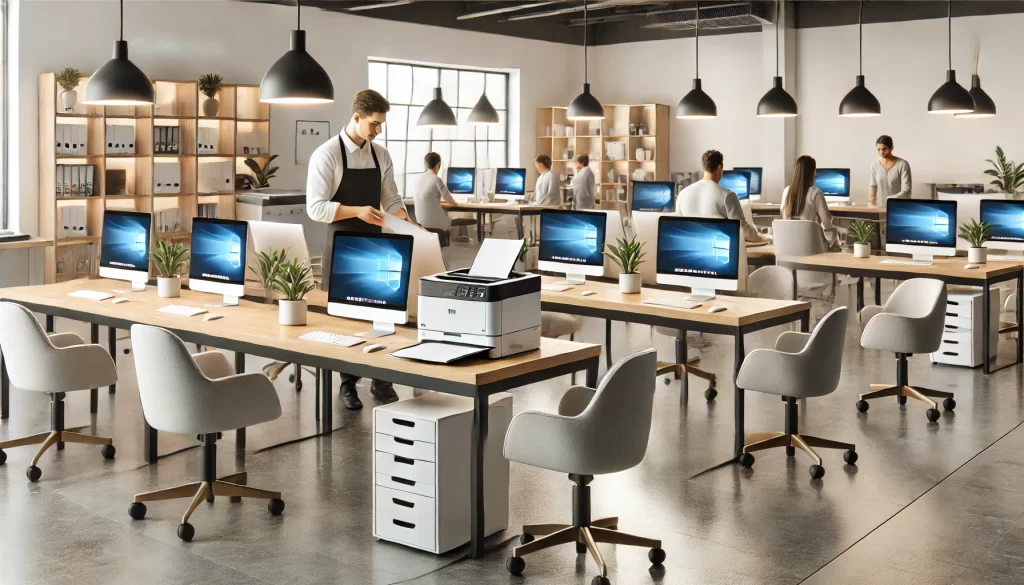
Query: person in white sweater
{"x":706,"y":198}
{"x":547,"y":191}
{"x":430,"y":192}
{"x":584,"y":185}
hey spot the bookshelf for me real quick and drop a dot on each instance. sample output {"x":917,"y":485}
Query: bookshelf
{"x":562,"y":140}
{"x":241,"y":125}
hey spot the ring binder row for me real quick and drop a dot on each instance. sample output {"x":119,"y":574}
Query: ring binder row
{"x":75,"y":180}
{"x":167,"y":177}
{"x":207,"y":139}
{"x":72,"y":222}
{"x":169,"y":221}
{"x":120,"y":139}
{"x":208,"y":210}
{"x":166,"y":139}
{"x":72,"y":139}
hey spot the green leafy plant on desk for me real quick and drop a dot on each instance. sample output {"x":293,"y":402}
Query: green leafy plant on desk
{"x":628,"y":255}
{"x":1009,"y":177}
{"x":976,"y":235}
{"x":169,"y":258}
{"x":862,"y":232}
{"x":294,"y":280}
{"x":268,"y":266}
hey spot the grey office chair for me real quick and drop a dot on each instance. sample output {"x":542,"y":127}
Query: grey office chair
{"x":596,"y":432}
{"x":55,"y":363}
{"x":199,"y":395}
{"x":911,"y":321}
{"x":799,"y":237}
{"x":802,"y":365}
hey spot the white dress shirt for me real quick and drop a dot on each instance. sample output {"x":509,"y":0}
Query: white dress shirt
{"x":706,"y":198}
{"x":430,"y":191}
{"x":547,"y":191}
{"x":325,"y":171}
{"x":583,"y":185}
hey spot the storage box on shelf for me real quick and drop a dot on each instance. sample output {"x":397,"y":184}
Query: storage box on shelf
{"x":961,"y":338}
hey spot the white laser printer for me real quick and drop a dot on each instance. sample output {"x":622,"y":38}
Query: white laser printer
{"x":500,"y":313}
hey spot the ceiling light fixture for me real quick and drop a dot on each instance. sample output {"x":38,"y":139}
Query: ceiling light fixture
{"x":585,"y":106}
{"x":118,"y":82}
{"x":777,"y":103}
{"x":984,"y":107}
{"x":696,"y":104}
{"x":951,"y":97}
{"x":296,"y":78}
{"x":859,"y":102}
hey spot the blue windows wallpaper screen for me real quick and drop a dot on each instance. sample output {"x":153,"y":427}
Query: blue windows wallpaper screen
{"x":737,"y":182}
{"x":1006,"y":219}
{"x":572,"y":237}
{"x":461,"y":180}
{"x":371,"y":270}
{"x":704,"y":248}
{"x":755,"y":178}
{"x":921,"y":222}
{"x":833,"y":182}
{"x":508,"y":182}
{"x":218,"y":250}
{"x":653,"y":196}
{"x":125,"y":240}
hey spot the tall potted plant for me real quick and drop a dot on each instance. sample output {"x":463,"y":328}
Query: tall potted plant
{"x":68,"y":80}
{"x":209,"y":85}
{"x":169,"y":258}
{"x":268,"y":266}
{"x":976,"y":235}
{"x":294,"y":281}
{"x":862,"y":231}
{"x":629,"y":255}
{"x":1009,"y":177}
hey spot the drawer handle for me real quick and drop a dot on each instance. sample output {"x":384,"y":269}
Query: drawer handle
{"x":404,"y":524}
{"x":954,"y":303}
{"x":404,"y":460}
{"x":403,"y":481}
{"x":404,"y":441}
{"x":950,"y":341}
{"x":950,"y":353}
{"x":403,"y":503}
{"x":404,"y":423}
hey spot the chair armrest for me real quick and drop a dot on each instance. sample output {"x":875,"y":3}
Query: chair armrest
{"x":1010,"y":305}
{"x":575,"y":401}
{"x":62,"y":340}
{"x":868,"y":313}
{"x":83,"y":366}
{"x":782,"y":373}
{"x":532,"y":439}
{"x":213,"y":364}
{"x":889,"y":331}
{"x":792,"y":341}
{"x":248,"y":398}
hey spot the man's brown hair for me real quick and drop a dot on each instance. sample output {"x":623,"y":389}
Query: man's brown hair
{"x":583,"y":159}
{"x":368,"y":102}
{"x":711,"y":160}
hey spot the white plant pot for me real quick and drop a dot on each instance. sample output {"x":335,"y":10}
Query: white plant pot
{"x":168,"y":287}
{"x":292,"y":312}
{"x":529,"y":263}
{"x":630,"y":283}
{"x":977,"y":255}
{"x":861,"y":250}
{"x":210,"y":107}
{"x":69,"y":99}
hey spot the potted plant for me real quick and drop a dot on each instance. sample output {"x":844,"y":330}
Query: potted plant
{"x":294,"y":281}
{"x":976,"y":235}
{"x":209,"y":85}
{"x":527,"y":255}
{"x":1008,"y":176}
{"x":268,"y":266}
{"x":68,"y":80}
{"x":862,"y":231}
{"x":262,"y":174}
{"x":628,"y":255}
{"x":169,"y":258}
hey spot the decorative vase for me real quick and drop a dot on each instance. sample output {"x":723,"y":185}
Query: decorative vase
{"x":291,"y":312}
{"x":861,"y":250}
{"x":69,"y":99}
{"x":630,"y":283}
{"x":210,"y":107}
{"x":168,"y":287}
{"x":977,"y":255}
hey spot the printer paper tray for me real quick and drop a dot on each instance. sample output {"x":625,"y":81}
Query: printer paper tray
{"x":439,"y":352}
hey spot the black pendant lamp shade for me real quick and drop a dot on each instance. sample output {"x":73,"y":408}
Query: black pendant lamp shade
{"x":296,"y":78}
{"x":951,"y":97}
{"x":483,"y":112}
{"x":119,"y":82}
{"x":777,"y":103}
{"x":984,"y":107}
{"x":585,"y":106}
{"x":437,"y":112}
{"x":859,"y":102}
{"x":697,"y":104}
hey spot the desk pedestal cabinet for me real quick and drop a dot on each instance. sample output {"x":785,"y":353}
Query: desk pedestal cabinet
{"x":961,"y":337}
{"x":421,"y":470}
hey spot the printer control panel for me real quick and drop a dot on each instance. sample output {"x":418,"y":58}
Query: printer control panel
{"x":466,"y":292}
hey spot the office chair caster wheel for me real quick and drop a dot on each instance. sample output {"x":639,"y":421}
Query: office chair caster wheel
{"x":108,"y":451}
{"x":298,"y":386}
{"x":667,"y":381}
{"x":656,"y":556}
{"x":276,"y":506}
{"x":850,"y":457}
{"x":186,"y":532}
{"x":33,"y":473}
{"x":137,"y":510}
{"x":291,"y":378}
{"x":747,"y":460}
{"x":526,"y":539}
{"x":3,"y":457}
{"x":932,"y":414}
{"x":817,"y":472}
{"x":710,"y":394}
{"x":127,"y":351}
{"x":863,"y":406}
{"x":949,"y":404}
{"x":515,"y":565}
{"x":599,"y":580}
{"x":236,"y":499}
{"x":581,"y":548}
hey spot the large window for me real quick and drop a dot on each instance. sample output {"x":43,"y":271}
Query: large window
{"x":409,"y":87}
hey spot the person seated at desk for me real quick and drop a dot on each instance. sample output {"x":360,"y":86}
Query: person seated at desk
{"x":706,"y":198}
{"x":890,"y":174}
{"x":430,"y":191}
{"x":547,"y":191}
{"x":583,"y":184}
{"x":808,"y":202}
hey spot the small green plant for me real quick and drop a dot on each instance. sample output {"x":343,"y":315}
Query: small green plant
{"x":976,"y":233}
{"x":294,"y":280}
{"x":209,"y":84}
{"x":69,"y":78}
{"x":862,"y":231}
{"x":262,"y":175}
{"x":169,"y":258}
{"x":268,"y":266}
{"x":528,"y":243}
{"x":1008,"y":176}
{"x":629,"y":255}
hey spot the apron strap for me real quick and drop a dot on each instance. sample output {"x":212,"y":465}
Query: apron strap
{"x":344,"y":156}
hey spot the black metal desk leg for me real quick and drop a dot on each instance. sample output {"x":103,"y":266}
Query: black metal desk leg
{"x":479,"y":228}
{"x":592,"y":375}
{"x":1020,"y":318}
{"x":738,"y":398}
{"x":94,"y":394}
{"x":805,"y":322}
{"x":519,"y":224}
{"x":608,"y":342}
{"x":860,"y":294}
{"x":327,"y":402}
{"x":878,"y":290}
{"x":316,"y":400}
{"x":681,"y":355}
{"x":112,"y":348}
{"x":150,"y":441}
{"x":240,"y":369}
{"x":476,"y":475}
{"x":5,"y":390}
{"x":986,"y":301}
{"x":50,"y":324}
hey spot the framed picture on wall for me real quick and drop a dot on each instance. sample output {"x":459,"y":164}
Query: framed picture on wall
{"x":309,"y":134}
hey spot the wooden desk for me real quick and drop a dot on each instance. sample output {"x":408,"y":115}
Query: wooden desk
{"x":742,"y":315}
{"x":865,"y":212}
{"x":759,"y":256}
{"x":948,"y":270}
{"x":252,"y":327}
{"x":33,"y":242}
{"x":502,"y":207}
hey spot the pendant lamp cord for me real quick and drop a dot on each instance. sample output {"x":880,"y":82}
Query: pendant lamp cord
{"x":860,"y":36}
{"x":298,"y":14}
{"x":696,"y":37}
{"x":777,"y":23}
{"x":122,"y":20}
{"x":585,"y":75}
{"x":949,"y":30}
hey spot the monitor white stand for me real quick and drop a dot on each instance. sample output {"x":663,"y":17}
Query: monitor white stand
{"x":135,"y":287}
{"x":572,"y":280}
{"x":924,"y":258}
{"x":702,"y":295}
{"x":229,"y":301}
{"x":380,"y":329}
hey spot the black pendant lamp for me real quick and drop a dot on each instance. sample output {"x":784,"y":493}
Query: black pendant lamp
{"x":860,"y":102}
{"x":951,"y":97}
{"x":483,"y":112}
{"x":696,"y":104}
{"x":984,"y":107}
{"x":585,"y":106}
{"x":437,"y":113}
{"x":777,"y":103}
{"x":296,"y":78}
{"x":119,"y":82}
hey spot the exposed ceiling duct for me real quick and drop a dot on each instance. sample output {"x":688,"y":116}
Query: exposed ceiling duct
{"x":737,"y":15}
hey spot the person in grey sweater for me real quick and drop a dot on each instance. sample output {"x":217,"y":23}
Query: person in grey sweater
{"x":584,"y":185}
{"x":890,"y":174}
{"x":802,"y":200}
{"x":548,"y":191}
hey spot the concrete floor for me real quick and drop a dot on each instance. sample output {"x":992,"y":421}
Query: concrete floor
{"x":927,"y":503}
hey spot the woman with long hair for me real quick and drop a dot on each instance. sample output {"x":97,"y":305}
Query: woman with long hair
{"x":802,"y":200}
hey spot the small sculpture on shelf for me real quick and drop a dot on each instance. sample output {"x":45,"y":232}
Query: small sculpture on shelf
{"x":209,"y":85}
{"x":68,"y":80}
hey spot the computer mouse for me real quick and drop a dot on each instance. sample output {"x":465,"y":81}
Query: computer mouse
{"x":587,"y":293}
{"x":971,"y":266}
{"x":211,"y":317}
{"x":119,"y":300}
{"x":716,"y":309}
{"x":374,"y":347}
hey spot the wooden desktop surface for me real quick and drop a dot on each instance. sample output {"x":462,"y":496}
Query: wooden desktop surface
{"x":256,"y":323}
{"x":948,"y":267}
{"x":33,"y":242}
{"x":490,"y":207}
{"x":835,"y":209}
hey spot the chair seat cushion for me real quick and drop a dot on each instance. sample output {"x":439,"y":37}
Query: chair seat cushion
{"x":461,"y":221}
{"x":559,"y":324}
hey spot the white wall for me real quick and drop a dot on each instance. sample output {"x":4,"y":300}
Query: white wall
{"x":182,"y":39}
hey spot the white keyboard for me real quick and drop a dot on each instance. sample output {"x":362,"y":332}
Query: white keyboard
{"x":555,"y":287}
{"x":92,"y":295}
{"x":907,"y":262}
{"x":674,"y":303}
{"x":182,"y":310}
{"x":332,"y":338}
{"x":1003,"y":258}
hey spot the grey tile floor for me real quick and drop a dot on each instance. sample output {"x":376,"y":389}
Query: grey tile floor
{"x":929,"y":504}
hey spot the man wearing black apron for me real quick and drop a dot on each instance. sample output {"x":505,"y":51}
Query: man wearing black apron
{"x":350,"y":186}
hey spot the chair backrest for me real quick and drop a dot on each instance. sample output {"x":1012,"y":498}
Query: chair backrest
{"x":771,"y":282}
{"x":924,"y":299}
{"x":824,"y":353}
{"x":798,"y":237}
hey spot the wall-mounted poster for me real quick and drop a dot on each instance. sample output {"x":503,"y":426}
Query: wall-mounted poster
{"x":309,"y":134}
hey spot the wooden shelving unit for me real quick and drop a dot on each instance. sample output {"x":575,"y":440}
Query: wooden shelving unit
{"x":562,"y":140}
{"x":178,"y":103}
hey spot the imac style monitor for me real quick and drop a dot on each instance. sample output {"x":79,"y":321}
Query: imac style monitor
{"x":218,"y":258}
{"x":124,"y":253}
{"x":572,"y":242}
{"x":701,"y":253}
{"x":653,"y":196}
{"x":835,"y":184}
{"x":1007,"y":220}
{"x":738,"y":182}
{"x":370,"y":279}
{"x":755,"y":174}
{"x":461,"y":180}
{"x":510,"y":182}
{"x":922,"y":227}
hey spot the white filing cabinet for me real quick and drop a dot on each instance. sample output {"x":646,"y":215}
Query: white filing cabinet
{"x":421,"y":470}
{"x":961,"y":339}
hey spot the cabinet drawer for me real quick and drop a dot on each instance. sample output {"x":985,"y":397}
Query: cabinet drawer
{"x":962,"y":323}
{"x":405,"y":518}
{"x":954,"y":357}
{"x":407,"y":448}
{"x":406,"y":485}
{"x":404,"y":427}
{"x":412,"y":469}
{"x":960,"y":308}
{"x":957,"y":340}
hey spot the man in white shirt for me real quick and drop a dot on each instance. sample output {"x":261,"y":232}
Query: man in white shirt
{"x":583,"y":184}
{"x":706,"y":198}
{"x":350,"y":186}
{"x":547,"y":190}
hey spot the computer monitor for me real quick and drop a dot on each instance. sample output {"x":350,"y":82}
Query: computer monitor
{"x":511,"y":183}
{"x":124,"y":251}
{"x":653,"y":196}
{"x":273,"y":236}
{"x":755,"y":174}
{"x":461,"y":180}
{"x":701,"y":253}
{"x":370,"y":279}
{"x":1007,"y":220}
{"x":835,"y":184}
{"x":572,"y":242}
{"x":922,"y":227}
{"x":218,"y":258}
{"x":738,"y":182}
